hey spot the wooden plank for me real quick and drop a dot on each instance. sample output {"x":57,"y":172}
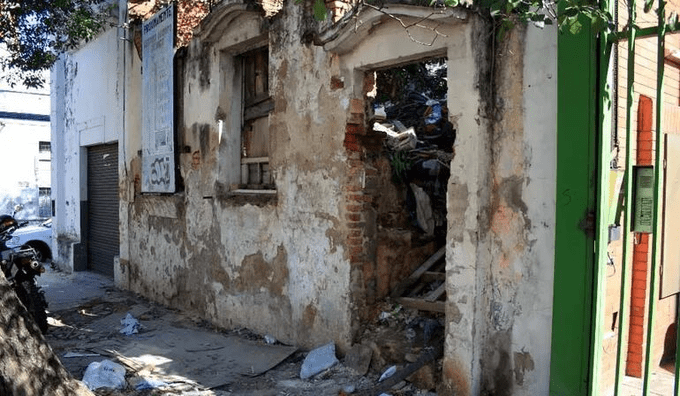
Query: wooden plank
{"x":437,"y":306}
{"x":435,"y":294}
{"x":253,"y":160}
{"x":406,"y":283}
{"x":430,"y":276}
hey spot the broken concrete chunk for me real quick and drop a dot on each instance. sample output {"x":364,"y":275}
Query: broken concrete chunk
{"x":318,"y":360}
{"x":359,"y":358}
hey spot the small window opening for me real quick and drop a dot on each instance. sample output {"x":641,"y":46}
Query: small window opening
{"x":44,"y":147}
{"x":410,"y":110}
{"x":257,"y":104}
{"x":44,"y":201}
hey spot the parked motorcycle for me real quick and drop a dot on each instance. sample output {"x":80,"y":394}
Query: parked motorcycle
{"x":21,"y":266}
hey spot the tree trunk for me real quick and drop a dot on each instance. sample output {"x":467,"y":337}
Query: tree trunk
{"x":27,"y":364}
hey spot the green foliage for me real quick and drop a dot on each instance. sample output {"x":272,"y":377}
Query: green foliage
{"x":569,"y":16}
{"x":320,"y":11}
{"x":34,"y":32}
{"x":401,"y":164}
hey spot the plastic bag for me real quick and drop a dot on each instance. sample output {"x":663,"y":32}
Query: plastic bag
{"x":104,"y":374}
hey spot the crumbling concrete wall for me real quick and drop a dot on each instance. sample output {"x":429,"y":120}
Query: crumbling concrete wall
{"x":301,"y":263}
{"x":275,"y":263}
{"x":501,"y":225}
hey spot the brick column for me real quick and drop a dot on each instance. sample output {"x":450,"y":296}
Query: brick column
{"x":638,"y":299}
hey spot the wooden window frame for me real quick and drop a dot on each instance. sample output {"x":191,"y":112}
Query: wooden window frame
{"x":256,"y":105}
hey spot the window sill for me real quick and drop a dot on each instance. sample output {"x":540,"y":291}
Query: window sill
{"x":245,"y":196}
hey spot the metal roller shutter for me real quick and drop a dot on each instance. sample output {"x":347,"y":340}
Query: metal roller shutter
{"x":102,"y":193}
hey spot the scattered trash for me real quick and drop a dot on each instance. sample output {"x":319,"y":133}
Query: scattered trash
{"x":424,"y":214}
{"x":388,"y":373}
{"x":130,"y":325}
{"x":434,"y":110}
{"x":318,"y":360}
{"x":419,"y":136}
{"x":269,"y":339}
{"x":104,"y":374}
{"x":349,"y":388}
{"x":384,"y":315}
{"x":78,"y":354}
{"x":150,"y":383}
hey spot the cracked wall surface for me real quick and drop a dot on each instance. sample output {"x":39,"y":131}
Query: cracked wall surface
{"x":303,"y":263}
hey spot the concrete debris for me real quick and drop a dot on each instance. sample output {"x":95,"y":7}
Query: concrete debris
{"x":104,"y":374}
{"x":359,"y":358}
{"x":181,"y":355}
{"x":318,"y":360}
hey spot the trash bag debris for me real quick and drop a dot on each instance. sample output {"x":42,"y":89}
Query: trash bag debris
{"x":318,"y":360}
{"x":130,"y":325}
{"x":418,"y":136}
{"x":104,"y":374}
{"x":150,"y":383}
{"x":269,"y":339}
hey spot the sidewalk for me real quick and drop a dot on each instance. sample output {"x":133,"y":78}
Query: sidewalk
{"x":172,"y":352}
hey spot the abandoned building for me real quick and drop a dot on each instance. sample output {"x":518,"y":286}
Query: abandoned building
{"x":267,"y":170}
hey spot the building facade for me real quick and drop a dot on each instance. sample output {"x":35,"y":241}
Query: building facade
{"x":281,"y":212}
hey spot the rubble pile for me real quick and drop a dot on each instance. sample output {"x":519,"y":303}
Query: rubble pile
{"x":411,"y":113}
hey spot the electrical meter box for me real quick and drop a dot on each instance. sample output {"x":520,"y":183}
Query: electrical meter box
{"x":643,"y":209}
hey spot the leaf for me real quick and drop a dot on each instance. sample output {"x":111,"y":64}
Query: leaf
{"x":648,"y":5}
{"x":575,"y":26}
{"x":320,"y":11}
{"x":451,"y":3}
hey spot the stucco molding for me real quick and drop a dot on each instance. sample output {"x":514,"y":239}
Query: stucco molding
{"x":342,"y":37}
{"x":222,"y":18}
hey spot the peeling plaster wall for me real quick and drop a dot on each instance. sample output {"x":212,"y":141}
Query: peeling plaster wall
{"x":272,"y":264}
{"x":501,"y":228}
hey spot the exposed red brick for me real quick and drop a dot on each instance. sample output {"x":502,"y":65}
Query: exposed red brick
{"x":639,"y":292}
{"x":355,"y":241}
{"x":354,"y":208}
{"x":352,"y":188}
{"x":337,"y":83}
{"x":354,"y":225}
{"x":361,"y":198}
{"x":353,"y":217}
{"x":356,"y":106}
{"x":354,"y":250}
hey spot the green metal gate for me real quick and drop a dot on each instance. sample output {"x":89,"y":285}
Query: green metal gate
{"x":585,"y":66}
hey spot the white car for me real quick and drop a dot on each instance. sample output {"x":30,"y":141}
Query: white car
{"x":38,"y":237}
